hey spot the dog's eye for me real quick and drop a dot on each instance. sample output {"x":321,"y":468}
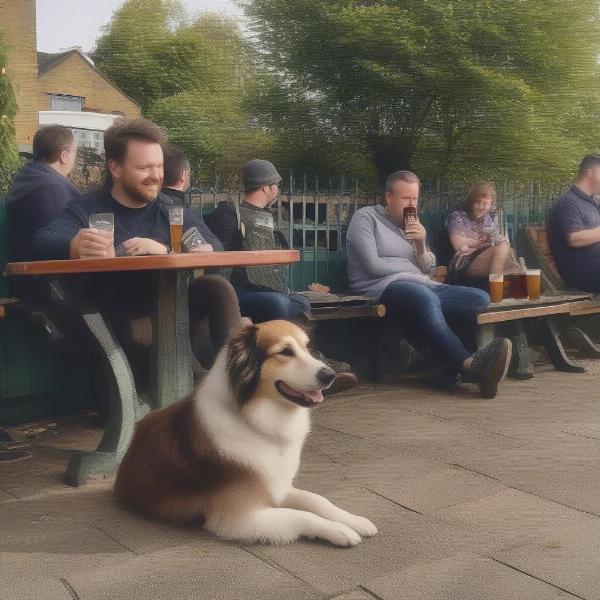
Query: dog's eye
{"x":287,"y":351}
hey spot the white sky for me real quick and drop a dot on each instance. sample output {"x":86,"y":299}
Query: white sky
{"x":65,"y":23}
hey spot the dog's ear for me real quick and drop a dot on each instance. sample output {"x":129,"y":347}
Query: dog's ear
{"x":243,"y":362}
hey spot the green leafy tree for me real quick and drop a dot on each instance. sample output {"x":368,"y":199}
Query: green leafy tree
{"x":463,"y":88}
{"x":9,"y":158}
{"x":190,"y":76}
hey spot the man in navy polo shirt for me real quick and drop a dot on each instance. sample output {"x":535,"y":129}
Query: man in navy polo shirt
{"x":574,"y":229}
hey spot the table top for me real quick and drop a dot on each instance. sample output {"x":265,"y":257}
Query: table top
{"x":513,"y":303}
{"x":512,"y":309}
{"x":189,"y":260}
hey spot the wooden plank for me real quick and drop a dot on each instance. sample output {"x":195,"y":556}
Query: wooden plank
{"x":585,"y":307}
{"x":190,"y":260}
{"x":349,"y":312}
{"x":523,"y":313}
{"x":545,"y":300}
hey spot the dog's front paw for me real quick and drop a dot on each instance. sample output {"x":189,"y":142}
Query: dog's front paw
{"x":341,"y":535}
{"x":361,"y":525}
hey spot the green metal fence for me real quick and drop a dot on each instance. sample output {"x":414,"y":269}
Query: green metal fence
{"x":321,"y":208}
{"x":312,"y":213}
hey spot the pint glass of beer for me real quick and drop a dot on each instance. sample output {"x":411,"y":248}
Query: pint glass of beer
{"x":518,"y":286}
{"x":176,"y":225}
{"x":102,"y":222}
{"x":496,"y":287}
{"x":534,"y":277}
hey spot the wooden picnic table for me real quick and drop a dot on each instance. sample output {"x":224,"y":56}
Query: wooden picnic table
{"x":547,"y":309}
{"x":170,"y":367}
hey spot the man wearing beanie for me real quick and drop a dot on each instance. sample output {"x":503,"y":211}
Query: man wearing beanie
{"x":262,"y":291}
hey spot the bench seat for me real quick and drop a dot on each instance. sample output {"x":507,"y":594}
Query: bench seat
{"x":327,"y":306}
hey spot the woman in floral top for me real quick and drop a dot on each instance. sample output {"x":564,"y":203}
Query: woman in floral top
{"x":476,"y":236}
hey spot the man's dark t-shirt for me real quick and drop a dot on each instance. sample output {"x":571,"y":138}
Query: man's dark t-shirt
{"x":579,"y":267}
{"x":129,"y":292}
{"x":38,"y":194}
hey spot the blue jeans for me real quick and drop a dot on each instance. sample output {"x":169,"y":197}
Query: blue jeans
{"x":267,"y":306}
{"x":429,"y":314}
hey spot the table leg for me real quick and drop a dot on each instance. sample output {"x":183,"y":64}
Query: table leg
{"x":171,"y":354}
{"x":555,"y":349}
{"x":485,"y":334}
{"x":578,"y":339}
{"x":123,"y":406}
{"x":521,"y":367}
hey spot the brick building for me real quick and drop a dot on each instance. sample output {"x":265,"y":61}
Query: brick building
{"x":64,"y":88}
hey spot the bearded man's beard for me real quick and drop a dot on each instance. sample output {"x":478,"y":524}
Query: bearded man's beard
{"x":147,"y":191}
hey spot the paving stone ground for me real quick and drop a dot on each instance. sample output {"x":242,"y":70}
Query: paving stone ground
{"x":474,"y":500}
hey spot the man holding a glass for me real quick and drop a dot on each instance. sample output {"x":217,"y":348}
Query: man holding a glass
{"x":126,"y":219}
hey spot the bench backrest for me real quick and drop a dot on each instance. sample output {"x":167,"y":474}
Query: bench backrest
{"x":538,"y":252}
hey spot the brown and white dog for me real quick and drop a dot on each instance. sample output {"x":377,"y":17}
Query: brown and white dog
{"x":227,"y":454}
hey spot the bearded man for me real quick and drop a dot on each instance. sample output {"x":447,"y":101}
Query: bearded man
{"x":134,"y":167}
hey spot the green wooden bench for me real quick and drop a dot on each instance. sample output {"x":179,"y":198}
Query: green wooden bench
{"x":546,"y":322}
{"x":538,"y":253}
{"x":35,"y":380}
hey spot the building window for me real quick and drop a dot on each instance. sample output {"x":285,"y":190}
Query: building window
{"x":90,"y":138}
{"x":61,"y":102}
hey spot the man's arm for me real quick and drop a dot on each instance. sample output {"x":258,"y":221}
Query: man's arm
{"x":360,"y":240}
{"x":575,"y":229}
{"x":583,"y":238}
{"x":67,"y":236}
{"x":191,"y":220}
{"x":53,"y":241}
{"x":417,"y":235}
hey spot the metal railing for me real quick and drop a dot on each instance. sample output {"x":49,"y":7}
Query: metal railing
{"x":313,"y":213}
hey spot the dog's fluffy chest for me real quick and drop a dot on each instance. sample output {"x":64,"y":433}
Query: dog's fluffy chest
{"x":274,"y":455}
{"x":277,"y":466}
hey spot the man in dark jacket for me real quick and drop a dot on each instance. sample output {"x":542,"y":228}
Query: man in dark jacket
{"x":177,"y":178}
{"x":262,"y":291}
{"x":41,"y":189}
{"x":211,"y":294}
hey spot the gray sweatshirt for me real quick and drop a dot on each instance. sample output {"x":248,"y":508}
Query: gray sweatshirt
{"x":378,"y":254}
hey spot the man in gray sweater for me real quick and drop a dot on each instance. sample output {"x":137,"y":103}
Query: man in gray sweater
{"x":388,"y":259}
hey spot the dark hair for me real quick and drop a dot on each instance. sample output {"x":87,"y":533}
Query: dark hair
{"x":49,"y":141}
{"x":589,"y":162}
{"x":479,"y":190}
{"x":118,"y":136}
{"x":243,"y":362}
{"x":408,"y":176}
{"x":175,"y":163}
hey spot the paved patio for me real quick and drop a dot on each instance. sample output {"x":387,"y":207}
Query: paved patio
{"x":474,"y":499}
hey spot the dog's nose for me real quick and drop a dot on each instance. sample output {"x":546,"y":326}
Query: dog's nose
{"x":326,"y":375}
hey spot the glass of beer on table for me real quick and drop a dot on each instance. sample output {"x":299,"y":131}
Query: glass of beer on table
{"x":102,"y":222}
{"x":176,"y":225}
{"x":496,"y":287}
{"x":534,"y":277}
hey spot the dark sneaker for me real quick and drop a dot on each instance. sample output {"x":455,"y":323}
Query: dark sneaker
{"x":490,"y":365}
{"x":342,"y":382}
